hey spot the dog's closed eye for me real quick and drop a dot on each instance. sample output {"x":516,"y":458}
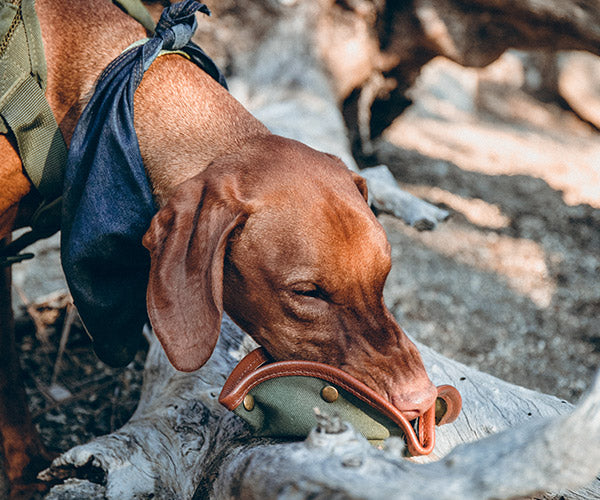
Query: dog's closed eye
{"x":311,"y":290}
{"x":306,"y":301}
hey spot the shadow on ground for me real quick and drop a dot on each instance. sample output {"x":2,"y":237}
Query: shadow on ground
{"x":509,"y":284}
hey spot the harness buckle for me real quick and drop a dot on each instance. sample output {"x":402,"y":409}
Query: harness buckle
{"x":9,"y":260}
{"x":45,"y":222}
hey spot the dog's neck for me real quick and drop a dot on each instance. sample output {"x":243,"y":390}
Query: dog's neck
{"x":80,"y":39}
{"x":203,"y":120}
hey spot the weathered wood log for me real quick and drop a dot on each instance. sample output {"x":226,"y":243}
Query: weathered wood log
{"x":391,"y":41}
{"x":180,"y":441}
{"x":578,"y":82}
{"x":516,"y":462}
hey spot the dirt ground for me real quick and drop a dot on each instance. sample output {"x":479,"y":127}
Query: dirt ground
{"x":508,"y":285}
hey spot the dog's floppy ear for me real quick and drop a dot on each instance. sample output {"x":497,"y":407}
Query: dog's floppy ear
{"x":361,"y":184}
{"x":187,"y":241}
{"x":359,"y":180}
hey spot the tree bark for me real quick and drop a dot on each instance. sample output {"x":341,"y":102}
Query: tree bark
{"x":391,"y":41}
{"x":180,"y":442}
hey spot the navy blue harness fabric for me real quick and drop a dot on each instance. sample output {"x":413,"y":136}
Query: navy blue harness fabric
{"x":107,"y":200}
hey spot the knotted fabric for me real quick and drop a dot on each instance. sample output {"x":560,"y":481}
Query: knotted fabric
{"x":107,"y":201}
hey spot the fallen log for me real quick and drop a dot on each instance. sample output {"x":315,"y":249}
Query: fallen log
{"x":181,"y":443}
{"x":578,"y":82}
{"x":375,"y":49}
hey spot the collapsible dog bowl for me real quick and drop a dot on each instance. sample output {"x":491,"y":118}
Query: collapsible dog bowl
{"x":278,"y":399}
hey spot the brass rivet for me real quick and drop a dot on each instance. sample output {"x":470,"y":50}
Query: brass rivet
{"x":249,"y":402}
{"x":329,"y":393}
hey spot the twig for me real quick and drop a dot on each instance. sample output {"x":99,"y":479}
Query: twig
{"x":74,"y":397}
{"x":40,"y":327}
{"x":64,"y":337}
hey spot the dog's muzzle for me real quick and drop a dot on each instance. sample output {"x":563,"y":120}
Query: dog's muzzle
{"x":278,"y":399}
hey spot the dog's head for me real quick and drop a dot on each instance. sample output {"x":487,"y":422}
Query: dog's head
{"x":281,"y":237}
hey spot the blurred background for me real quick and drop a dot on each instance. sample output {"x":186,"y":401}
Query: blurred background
{"x":488,"y":109}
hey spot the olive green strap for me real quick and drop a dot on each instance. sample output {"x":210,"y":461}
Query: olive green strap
{"x":41,"y":145}
{"x":25,"y":112}
{"x":23,"y":105}
{"x":137,"y":10}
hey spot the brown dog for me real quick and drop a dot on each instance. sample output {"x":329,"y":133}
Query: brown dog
{"x":273,"y":232}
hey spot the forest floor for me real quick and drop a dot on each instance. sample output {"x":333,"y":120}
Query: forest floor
{"x":509,"y":284}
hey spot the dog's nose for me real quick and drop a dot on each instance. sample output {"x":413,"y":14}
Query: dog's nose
{"x":415,"y":403}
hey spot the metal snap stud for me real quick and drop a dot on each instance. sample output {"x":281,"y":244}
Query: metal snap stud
{"x":249,"y":402}
{"x":329,"y":393}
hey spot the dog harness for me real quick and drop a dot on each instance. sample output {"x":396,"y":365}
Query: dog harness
{"x":107,"y":200}
{"x":25,"y":112}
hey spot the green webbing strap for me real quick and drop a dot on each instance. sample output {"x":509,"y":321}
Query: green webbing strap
{"x":41,"y":145}
{"x":137,"y":10}
{"x":26,"y":113}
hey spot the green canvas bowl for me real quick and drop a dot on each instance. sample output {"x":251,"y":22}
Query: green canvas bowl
{"x":278,"y":399}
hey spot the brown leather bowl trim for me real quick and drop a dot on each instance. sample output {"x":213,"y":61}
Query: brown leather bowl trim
{"x":453,"y":401}
{"x":249,"y":373}
{"x":247,"y":365}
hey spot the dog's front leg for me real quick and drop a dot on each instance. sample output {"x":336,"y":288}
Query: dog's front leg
{"x":20,"y":445}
